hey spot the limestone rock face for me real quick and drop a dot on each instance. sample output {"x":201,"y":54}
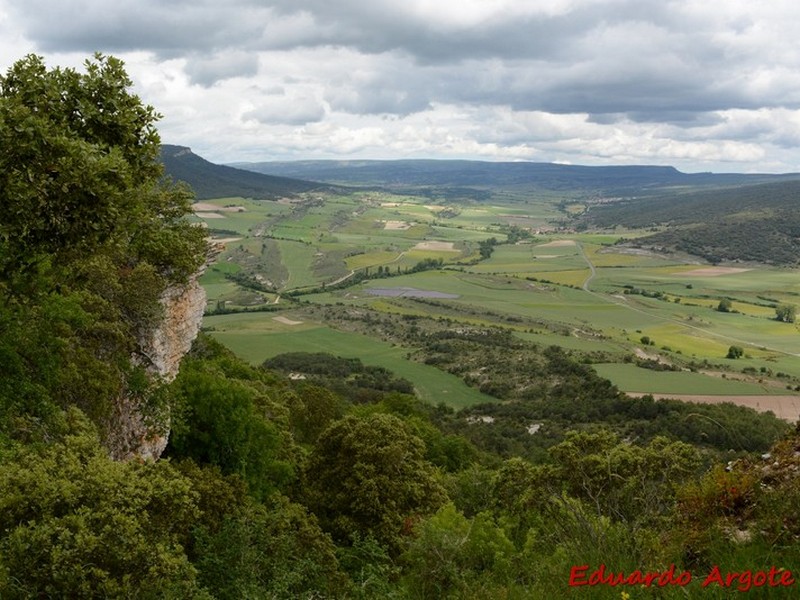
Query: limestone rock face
{"x":164,"y":347}
{"x":136,"y":435}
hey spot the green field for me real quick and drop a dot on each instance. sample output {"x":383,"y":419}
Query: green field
{"x":257,"y":337}
{"x":631,"y":378}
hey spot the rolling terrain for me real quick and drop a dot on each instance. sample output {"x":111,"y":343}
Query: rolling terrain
{"x":757,"y":223}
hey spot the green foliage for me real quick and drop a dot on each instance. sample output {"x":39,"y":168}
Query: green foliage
{"x":228,"y":421}
{"x":486,"y":247}
{"x":746,"y":223}
{"x":624,"y":481}
{"x":472,"y":489}
{"x":348,"y":376}
{"x":90,"y":236}
{"x":368,"y":475}
{"x":735,"y":352}
{"x":311,"y":410}
{"x":76,"y":524}
{"x":451,"y":554}
{"x":724,"y":305}
{"x":786,"y":313}
{"x":79,"y":170}
{"x":275,"y":550}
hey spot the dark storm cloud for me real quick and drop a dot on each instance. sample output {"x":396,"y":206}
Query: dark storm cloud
{"x":628,"y":57}
{"x":167,"y":29}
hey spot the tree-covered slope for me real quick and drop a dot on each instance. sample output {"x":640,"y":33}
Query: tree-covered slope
{"x":758,"y":223}
{"x":209,"y":180}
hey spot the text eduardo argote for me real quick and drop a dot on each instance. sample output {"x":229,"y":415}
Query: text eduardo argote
{"x":742,"y":581}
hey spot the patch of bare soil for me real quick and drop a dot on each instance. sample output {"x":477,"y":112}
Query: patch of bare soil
{"x":286,"y":321}
{"x":784,"y":407}
{"x":396,"y":225}
{"x":440,"y":246}
{"x":654,"y":357}
{"x":209,"y":215}
{"x":557,"y":244}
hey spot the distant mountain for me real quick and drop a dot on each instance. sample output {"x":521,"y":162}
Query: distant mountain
{"x":615,"y":180}
{"x":209,"y":180}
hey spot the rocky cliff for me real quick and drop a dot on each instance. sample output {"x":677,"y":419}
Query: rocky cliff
{"x":140,"y":430}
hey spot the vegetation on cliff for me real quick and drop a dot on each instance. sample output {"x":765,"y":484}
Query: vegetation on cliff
{"x":90,"y":236}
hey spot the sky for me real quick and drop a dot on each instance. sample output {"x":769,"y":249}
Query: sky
{"x":702,"y":86}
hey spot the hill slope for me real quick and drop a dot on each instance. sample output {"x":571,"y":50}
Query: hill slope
{"x":217,"y":181}
{"x":752,"y":223}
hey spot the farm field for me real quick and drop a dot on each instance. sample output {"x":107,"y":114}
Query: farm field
{"x":549,"y":286}
{"x":259,"y":336}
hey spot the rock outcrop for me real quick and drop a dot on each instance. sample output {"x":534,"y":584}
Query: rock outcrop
{"x":141,"y":431}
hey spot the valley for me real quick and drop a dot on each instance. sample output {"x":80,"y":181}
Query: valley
{"x":523,"y":261}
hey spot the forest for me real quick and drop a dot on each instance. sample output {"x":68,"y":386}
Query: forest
{"x":340,"y":484}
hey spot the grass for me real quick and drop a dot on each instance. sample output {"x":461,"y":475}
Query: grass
{"x":298,"y":258}
{"x":630,"y":378}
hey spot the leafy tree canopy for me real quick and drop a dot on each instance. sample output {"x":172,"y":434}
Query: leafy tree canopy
{"x":79,"y":169}
{"x":369,"y":475}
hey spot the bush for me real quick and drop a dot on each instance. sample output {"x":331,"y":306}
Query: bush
{"x":735,"y":352}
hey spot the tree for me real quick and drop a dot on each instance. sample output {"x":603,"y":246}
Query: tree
{"x":274,"y":550}
{"x":735,"y":352}
{"x":786,"y":313}
{"x":368,"y":476}
{"x":78,"y":525}
{"x":80,"y":170}
{"x":486,"y":247}
{"x":621,"y":480}
{"x":226,"y":424}
{"x":453,"y":555}
{"x":724,"y":305}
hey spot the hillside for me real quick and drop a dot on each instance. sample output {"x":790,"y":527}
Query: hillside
{"x":758,"y":223}
{"x":613,"y":180}
{"x":209,"y":180}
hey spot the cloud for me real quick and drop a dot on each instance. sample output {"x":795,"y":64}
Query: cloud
{"x":208,"y":70}
{"x":707,"y":85}
{"x":286,"y":110}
